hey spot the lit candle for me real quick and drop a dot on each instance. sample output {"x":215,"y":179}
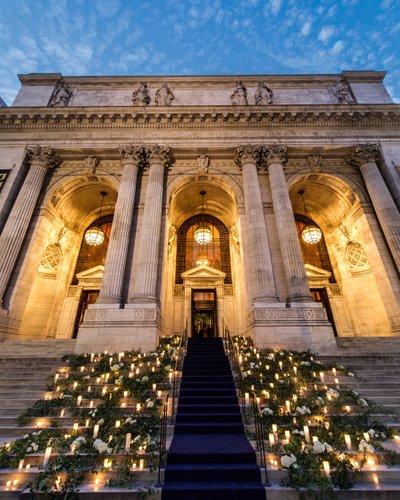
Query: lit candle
{"x":125,"y":394}
{"x":56,"y":377}
{"x":170,"y":377}
{"x":347,"y":408}
{"x":336,"y":381}
{"x":79,"y":400}
{"x":306,"y":433}
{"x":91,"y":404}
{"x":288,"y":406}
{"x":76,"y":425}
{"x":295,"y":370}
{"x":107,"y":377}
{"x":21,"y":464}
{"x":347,"y":440}
{"x":92,"y":357}
{"x":322,"y":376}
{"x":75,"y":385}
{"x":271,"y":439}
{"x":95,"y":431}
{"x":287,"y":436}
{"x":314,"y":439}
{"x":159,"y":394}
{"x":280,"y":365}
{"x":62,"y":412}
{"x":274,"y":428}
{"x":138,"y":407}
{"x":247,"y":398}
{"x":117,"y":423}
{"x":327,"y":468}
{"x":367,"y":436}
{"x":334,"y":371}
{"x":47,"y":455}
{"x":154,"y":387}
{"x":128,"y":441}
{"x":141,"y":464}
{"x":87,"y":421}
{"x":120,"y":356}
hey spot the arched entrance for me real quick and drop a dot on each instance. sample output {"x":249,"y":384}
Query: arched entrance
{"x":206,"y":280}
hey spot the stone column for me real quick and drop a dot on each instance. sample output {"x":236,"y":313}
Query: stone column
{"x":114,"y":268}
{"x":293,"y":262}
{"x":12,"y":237}
{"x":248,"y":158}
{"x":364,"y":156}
{"x":145,"y":285}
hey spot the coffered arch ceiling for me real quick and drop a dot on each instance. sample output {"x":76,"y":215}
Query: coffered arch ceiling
{"x":219,"y":201}
{"x":328,"y":199}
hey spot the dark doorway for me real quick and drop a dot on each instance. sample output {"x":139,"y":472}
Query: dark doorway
{"x":321,"y":295}
{"x":204,"y":313}
{"x":87,"y":297}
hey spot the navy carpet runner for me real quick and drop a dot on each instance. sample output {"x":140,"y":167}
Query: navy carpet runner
{"x":210,"y":457}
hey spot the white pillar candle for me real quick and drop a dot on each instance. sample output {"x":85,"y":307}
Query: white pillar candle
{"x":247,"y":398}
{"x":334,"y":371}
{"x":322,"y":376}
{"x":306,"y":433}
{"x":327,"y":468}
{"x":367,"y":436}
{"x":21,"y":464}
{"x":288,"y":406}
{"x":95,"y":431}
{"x":117,"y":423}
{"x":79,"y":400}
{"x":271,"y":439}
{"x":287,"y":436}
{"x":347,"y":440}
{"x":295,"y":370}
{"x":47,"y":455}
{"x":92,"y":357}
{"x":141,"y":464}
{"x":128,"y":441}
{"x":56,"y":377}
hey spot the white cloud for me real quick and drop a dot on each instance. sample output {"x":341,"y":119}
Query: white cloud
{"x":338,"y":47}
{"x":325,"y":34}
{"x":274,"y":6}
{"x":306,"y":28}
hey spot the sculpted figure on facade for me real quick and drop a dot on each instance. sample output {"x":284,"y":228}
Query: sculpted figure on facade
{"x":61,"y":95}
{"x":203,"y":162}
{"x":315,"y":162}
{"x":239,"y":95}
{"x":343,"y":93}
{"x":171,"y":237}
{"x":91,"y":163}
{"x":141,"y":96}
{"x":164,"y":96}
{"x":263,"y":95}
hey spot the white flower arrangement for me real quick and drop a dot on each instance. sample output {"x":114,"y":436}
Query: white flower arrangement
{"x":364,"y":446}
{"x":101,"y":446}
{"x":288,"y":460}
{"x":318,"y":447}
{"x":267,"y":411}
{"x":303,"y":410}
{"x":333,"y":393}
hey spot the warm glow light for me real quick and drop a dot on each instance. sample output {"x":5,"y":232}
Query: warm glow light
{"x":94,"y":236}
{"x":203,"y":235}
{"x":311,"y":235}
{"x":327,"y":468}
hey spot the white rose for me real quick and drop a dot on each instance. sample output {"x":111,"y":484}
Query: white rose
{"x":364,"y":446}
{"x":318,"y":447}
{"x":371,"y":432}
{"x":328,"y":447}
{"x":29,"y":450}
{"x":150,"y":404}
{"x":287,"y":461}
{"x":267,"y":411}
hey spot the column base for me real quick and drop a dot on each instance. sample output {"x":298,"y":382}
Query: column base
{"x":114,"y":330}
{"x":302,"y":327}
{"x":109,"y":299}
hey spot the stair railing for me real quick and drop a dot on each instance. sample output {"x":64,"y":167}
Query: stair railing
{"x":162,"y":447}
{"x":178,"y":370}
{"x":260,"y":436}
{"x":255,"y":412}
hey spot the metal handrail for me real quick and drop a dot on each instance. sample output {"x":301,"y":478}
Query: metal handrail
{"x":162,"y":448}
{"x":255,"y":407}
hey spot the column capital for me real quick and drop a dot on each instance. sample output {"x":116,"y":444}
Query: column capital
{"x":132,"y":154}
{"x":248,"y":154}
{"x":276,"y":153}
{"x":362,"y":153}
{"x":158,"y":154}
{"x":43,"y":156}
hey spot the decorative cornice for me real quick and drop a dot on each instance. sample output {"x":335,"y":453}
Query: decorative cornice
{"x":42,"y":156}
{"x":132,"y":154}
{"x":363,"y":153}
{"x":309,"y":116}
{"x":248,"y":154}
{"x":277,"y":153}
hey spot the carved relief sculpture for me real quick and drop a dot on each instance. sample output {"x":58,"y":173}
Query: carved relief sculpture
{"x":164,"y":96}
{"x":263,"y":95}
{"x":203,"y":162}
{"x":61,"y":95}
{"x":141,"y":97}
{"x":239,"y":96}
{"x":91,"y":163}
{"x":343,"y":93}
{"x":315,"y":162}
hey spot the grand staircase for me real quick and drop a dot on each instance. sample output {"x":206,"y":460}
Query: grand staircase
{"x":210,"y":456}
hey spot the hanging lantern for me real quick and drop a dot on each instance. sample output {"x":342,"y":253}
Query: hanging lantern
{"x":310,"y":234}
{"x":94,"y":236}
{"x":203,"y":234}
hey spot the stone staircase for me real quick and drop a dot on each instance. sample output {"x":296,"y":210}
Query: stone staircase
{"x":25,"y":368}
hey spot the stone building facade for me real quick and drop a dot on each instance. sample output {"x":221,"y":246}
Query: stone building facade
{"x":248,"y":163}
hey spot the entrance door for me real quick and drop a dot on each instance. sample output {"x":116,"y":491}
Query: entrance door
{"x":87,"y":297}
{"x":204,"y":313}
{"x":321,"y":295}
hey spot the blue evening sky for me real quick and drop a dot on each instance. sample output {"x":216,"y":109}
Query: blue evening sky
{"x":183,"y":37}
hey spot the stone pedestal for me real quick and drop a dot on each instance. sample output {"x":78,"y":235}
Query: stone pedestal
{"x":138,"y":326}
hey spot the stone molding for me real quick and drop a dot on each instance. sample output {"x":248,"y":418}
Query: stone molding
{"x":315,"y":162}
{"x":248,"y":154}
{"x":131,"y":315}
{"x":363,"y":153}
{"x":275,"y":314}
{"x":324,"y":116}
{"x":277,"y":153}
{"x":42,"y":156}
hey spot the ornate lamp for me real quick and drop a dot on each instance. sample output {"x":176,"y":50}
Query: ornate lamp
{"x":202,"y":233}
{"x":310,"y":234}
{"x":94,"y":236}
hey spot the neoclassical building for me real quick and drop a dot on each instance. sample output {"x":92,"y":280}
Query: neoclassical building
{"x":265,"y":204}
